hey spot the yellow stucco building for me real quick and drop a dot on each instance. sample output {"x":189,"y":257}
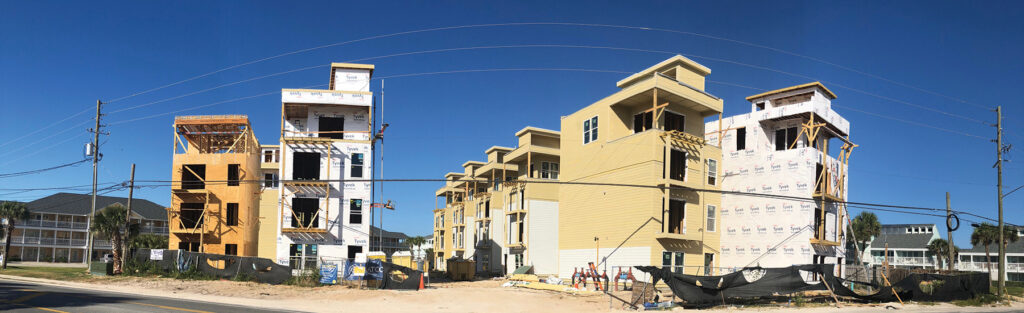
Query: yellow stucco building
{"x":214,"y":201}
{"x":634,"y":164}
{"x":270,"y":196}
{"x":503,"y":213}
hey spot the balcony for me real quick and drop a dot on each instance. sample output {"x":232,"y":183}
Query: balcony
{"x":905,"y":261}
{"x":983,"y":267}
{"x":54,"y":224}
{"x":160,"y":230}
{"x":63,"y":242}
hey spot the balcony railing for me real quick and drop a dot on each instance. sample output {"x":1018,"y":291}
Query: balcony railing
{"x":54,"y":224}
{"x":905,"y":260}
{"x":153,"y":229}
{"x":981,"y":267}
{"x":48,"y":241}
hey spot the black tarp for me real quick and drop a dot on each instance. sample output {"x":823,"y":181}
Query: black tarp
{"x":763,"y":282}
{"x":400,"y":277}
{"x":263,"y":270}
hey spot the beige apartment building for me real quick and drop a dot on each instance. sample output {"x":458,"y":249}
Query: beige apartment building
{"x":629,"y":180}
{"x":491,"y":211}
{"x":635,"y":163}
{"x":270,"y":196}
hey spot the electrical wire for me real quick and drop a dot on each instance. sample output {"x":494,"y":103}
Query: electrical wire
{"x":593,"y":25}
{"x":865,"y":205}
{"x":42,"y":170}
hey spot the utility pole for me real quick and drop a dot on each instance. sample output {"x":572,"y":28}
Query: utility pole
{"x":95,"y":164}
{"x":949,"y":232}
{"x":128,"y":218}
{"x":999,"y":188}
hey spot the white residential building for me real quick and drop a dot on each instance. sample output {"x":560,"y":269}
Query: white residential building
{"x":974,"y":259}
{"x":325,"y":167}
{"x":791,"y":146}
{"x":907,"y":246}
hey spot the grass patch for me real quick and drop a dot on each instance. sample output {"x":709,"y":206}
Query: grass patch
{"x":985,"y":299}
{"x":55,"y":273}
{"x":1015,"y":288}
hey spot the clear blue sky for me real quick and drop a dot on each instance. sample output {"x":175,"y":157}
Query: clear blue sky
{"x":57,"y":58}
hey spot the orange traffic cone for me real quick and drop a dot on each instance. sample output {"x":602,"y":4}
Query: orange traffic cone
{"x":421,"y":282}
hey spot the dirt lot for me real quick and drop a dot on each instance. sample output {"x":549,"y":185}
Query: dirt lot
{"x":479,"y":296}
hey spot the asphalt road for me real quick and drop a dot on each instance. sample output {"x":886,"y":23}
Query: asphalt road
{"x":21,"y":296}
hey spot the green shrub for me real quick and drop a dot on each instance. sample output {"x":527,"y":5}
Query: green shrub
{"x":245,"y":277}
{"x":306,"y":278}
{"x":799,"y":300}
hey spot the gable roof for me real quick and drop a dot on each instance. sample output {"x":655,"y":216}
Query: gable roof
{"x":389,"y":234}
{"x":902,"y":241}
{"x":81,"y":204}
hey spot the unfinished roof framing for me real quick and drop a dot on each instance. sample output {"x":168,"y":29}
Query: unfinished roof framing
{"x":214,"y":134}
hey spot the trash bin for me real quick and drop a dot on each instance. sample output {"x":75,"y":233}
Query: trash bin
{"x":101,"y":268}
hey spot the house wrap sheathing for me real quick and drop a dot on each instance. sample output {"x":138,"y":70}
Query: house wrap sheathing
{"x":325,"y":169}
{"x":782,"y":148}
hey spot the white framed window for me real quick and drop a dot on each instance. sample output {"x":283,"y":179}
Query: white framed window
{"x":590,"y":130}
{"x":549,"y":170}
{"x":673,"y":261}
{"x":711,"y":218}
{"x":712,"y":172}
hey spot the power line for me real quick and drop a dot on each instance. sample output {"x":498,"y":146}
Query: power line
{"x":866,"y":205}
{"x":42,"y":170}
{"x":534,"y":46}
{"x":594,"y":25}
{"x":867,"y":112}
{"x":912,"y":122}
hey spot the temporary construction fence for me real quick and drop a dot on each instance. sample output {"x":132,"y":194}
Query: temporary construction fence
{"x":765,"y":282}
{"x":217,"y":265}
{"x":382,"y":274}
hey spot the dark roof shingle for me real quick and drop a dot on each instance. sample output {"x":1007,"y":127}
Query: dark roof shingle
{"x":81,"y":204}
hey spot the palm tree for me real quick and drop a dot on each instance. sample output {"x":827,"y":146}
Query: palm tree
{"x":109,"y":222}
{"x":865,"y":226}
{"x":415,"y":242}
{"x":940,"y":248}
{"x":11,"y":212}
{"x":985,"y":235}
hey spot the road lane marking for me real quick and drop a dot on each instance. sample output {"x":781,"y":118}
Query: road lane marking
{"x":169,"y":307}
{"x":34,"y":307}
{"x":27,"y":297}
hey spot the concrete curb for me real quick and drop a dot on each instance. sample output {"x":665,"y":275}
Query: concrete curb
{"x":156,"y":293}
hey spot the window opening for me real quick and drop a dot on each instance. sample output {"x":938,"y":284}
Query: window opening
{"x":677,"y":166}
{"x":643,"y":121}
{"x":305,"y":209}
{"x":192,"y":176}
{"x":233,"y":174}
{"x":192,"y":215}
{"x":334,"y":125}
{"x":741,"y":138}
{"x":307,"y":166}
{"x":676,"y":216}
{"x":675,"y":122}
{"x":232,"y":218}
